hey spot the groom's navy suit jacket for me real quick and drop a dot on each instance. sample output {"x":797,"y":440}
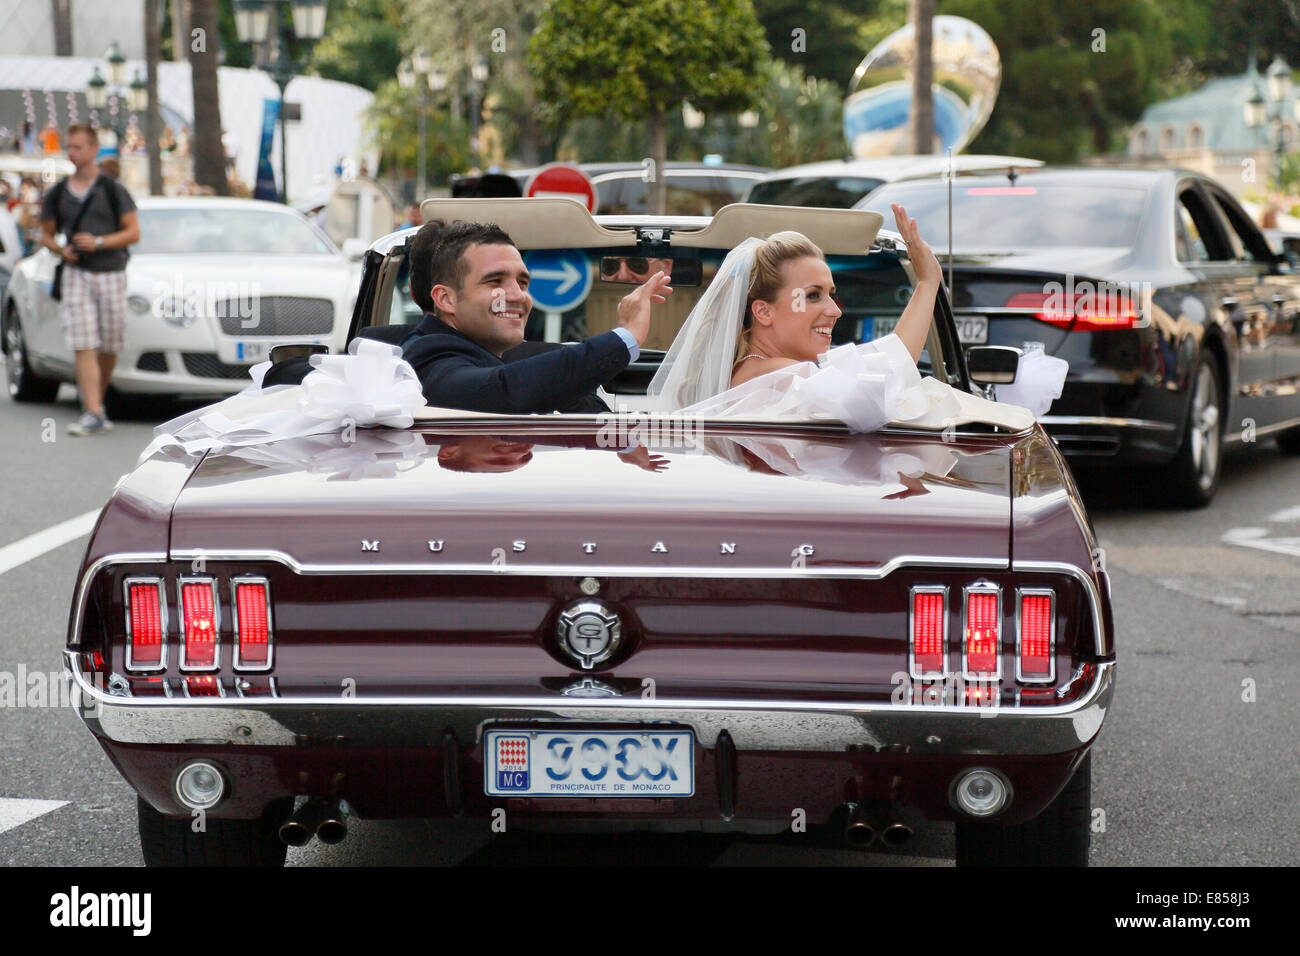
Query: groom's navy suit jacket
{"x":456,"y":372}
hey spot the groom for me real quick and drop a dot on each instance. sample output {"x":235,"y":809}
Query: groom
{"x":472,"y":284}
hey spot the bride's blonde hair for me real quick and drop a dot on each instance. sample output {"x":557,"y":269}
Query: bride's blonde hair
{"x":766,"y":278}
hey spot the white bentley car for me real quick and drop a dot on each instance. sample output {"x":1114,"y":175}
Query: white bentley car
{"x":212,"y":285}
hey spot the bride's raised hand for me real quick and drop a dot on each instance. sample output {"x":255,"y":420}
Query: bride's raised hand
{"x":924,"y":261}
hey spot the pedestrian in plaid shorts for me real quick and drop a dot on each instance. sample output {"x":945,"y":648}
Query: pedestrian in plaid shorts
{"x":101,"y":216}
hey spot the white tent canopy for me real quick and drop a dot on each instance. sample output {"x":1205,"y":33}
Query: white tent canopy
{"x":332,"y":124}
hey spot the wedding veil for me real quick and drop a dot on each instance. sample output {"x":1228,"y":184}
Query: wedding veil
{"x":699,"y":362}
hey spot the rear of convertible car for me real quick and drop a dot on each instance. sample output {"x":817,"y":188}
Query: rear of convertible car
{"x":777,"y":629}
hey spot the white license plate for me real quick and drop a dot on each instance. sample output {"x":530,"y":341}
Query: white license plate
{"x":589,"y":763}
{"x":235,"y":352}
{"x":971,"y":329}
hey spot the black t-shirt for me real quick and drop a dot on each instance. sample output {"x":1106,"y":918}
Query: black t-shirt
{"x":99,"y":219}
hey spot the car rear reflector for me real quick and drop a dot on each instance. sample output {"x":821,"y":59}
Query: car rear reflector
{"x":252,"y":623}
{"x":928,"y":632}
{"x":199,"y":624}
{"x":203,"y":685}
{"x":981,"y":644}
{"x":1099,"y":311}
{"x":146,"y":624}
{"x":1036,"y":635}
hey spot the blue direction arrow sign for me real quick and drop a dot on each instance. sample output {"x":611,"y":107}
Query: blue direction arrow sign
{"x":561,"y":278}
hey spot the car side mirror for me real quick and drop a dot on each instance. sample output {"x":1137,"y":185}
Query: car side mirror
{"x":297,"y":350}
{"x":993,"y":364}
{"x":354,"y":248}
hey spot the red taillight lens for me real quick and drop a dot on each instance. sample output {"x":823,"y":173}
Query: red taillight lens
{"x":252,"y":624}
{"x":929,"y":645}
{"x":1035,"y":651}
{"x":1078,"y":312}
{"x":146,"y":628}
{"x":983,"y":613}
{"x":199,"y":618}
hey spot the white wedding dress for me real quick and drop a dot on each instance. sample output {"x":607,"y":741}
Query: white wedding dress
{"x":864,"y":385}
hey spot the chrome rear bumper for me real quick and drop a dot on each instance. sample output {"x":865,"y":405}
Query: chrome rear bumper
{"x":753,"y":725}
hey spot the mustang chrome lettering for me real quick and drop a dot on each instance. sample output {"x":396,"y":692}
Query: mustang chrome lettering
{"x":659,"y":548}
{"x":369,"y":545}
{"x":518,"y":545}
{"x":589,"y":547}
{"x":436,"y":546}
{"x":589,"y":632}
{"x":728,"y":547}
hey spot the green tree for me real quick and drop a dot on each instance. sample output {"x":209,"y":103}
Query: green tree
{"x":1062,"y":94}
{"x":639,"y":59}
{"x":362,"y":42}
{"x":393,"y":121}
{"x":823,"y":38}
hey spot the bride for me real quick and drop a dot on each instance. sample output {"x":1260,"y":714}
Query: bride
{"x":759,"y":343}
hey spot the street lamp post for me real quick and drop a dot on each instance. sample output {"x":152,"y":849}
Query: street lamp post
{"x":253,"y":26}
{"x":418,"y":73}
{"x":1272,"y":111}
{"x":478,"y":73}
{"x":100,"y":91}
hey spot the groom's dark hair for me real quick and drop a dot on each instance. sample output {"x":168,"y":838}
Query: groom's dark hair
{"x":438,"y":255}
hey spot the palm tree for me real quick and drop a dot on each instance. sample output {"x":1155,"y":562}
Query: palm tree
{"x":209,"y":155}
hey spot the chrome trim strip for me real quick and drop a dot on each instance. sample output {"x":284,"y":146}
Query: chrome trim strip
{"x":183,"y":640}
{"x":235,"y":581}
{"x":125,"y":557}
{"x":1021,"y":594}
{"x":1102,"y":420}
{"x":1235,"y":436}
{"x":754,"y":725}
{"x":980,"y":677}
{"x":912,"y":669}
{"x":1100,"y":645}
{"x":157,"y":583}
{"x":595,"y":570}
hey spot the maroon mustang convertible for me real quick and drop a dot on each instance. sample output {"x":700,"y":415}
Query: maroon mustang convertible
{"x":611,"y":621}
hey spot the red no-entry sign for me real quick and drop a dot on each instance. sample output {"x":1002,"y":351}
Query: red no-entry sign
{"x":563,"y":179}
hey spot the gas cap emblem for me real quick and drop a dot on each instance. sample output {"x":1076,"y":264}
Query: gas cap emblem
{"x":589,"y":631}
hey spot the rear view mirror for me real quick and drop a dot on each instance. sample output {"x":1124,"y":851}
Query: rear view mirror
{"x":993,"y":364}
{"x":633,"y":270}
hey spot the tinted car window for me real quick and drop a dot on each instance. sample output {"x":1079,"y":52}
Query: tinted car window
{"x":837,"y":193}
{"x":1001,"y":218}
{"x":198,"y":230}
{"x":687,"y":195}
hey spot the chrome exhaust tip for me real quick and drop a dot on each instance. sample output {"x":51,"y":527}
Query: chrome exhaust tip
{"x":858,"y":831}
{"x":896,"y":834}
{"x":301,"y":827}
{"x":333,"y":826}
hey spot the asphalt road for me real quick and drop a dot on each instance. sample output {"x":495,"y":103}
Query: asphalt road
{"x":1197,"y":764}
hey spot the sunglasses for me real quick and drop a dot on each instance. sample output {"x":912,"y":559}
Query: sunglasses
{"x":636,"y":264}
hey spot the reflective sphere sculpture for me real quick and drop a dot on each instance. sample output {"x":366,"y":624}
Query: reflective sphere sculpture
{"x":967,"y":74}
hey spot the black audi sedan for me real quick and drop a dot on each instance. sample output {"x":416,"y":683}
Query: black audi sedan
{"x":1180,"y":324}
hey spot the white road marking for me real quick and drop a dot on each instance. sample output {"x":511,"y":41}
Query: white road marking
{"x":1286,"y":514}
{"x":1256,"y":538}
{"x":35,"y":545}
{"x":14,"y":812}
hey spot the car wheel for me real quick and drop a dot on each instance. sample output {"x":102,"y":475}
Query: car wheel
{"x":1056,"y":837}
{"x":172,"y":841}
{"x":24,"y":384}
{"x":1193,"y":477}
{"x":1289,"y":441}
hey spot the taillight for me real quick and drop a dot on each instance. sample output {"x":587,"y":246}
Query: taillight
{"x":981,"y":642}
{"x":1036,"y":635}
{"x":928,"y":632}
{"x":252,"y":601}
{"x":1079,"y":312}
{"x":146,"y":624}
{"x":199,"y":624}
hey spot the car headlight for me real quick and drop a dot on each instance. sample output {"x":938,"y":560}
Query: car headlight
{"x":176,"y":312}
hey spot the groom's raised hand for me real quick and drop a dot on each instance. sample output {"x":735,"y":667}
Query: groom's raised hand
{"x":634,"y":309}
